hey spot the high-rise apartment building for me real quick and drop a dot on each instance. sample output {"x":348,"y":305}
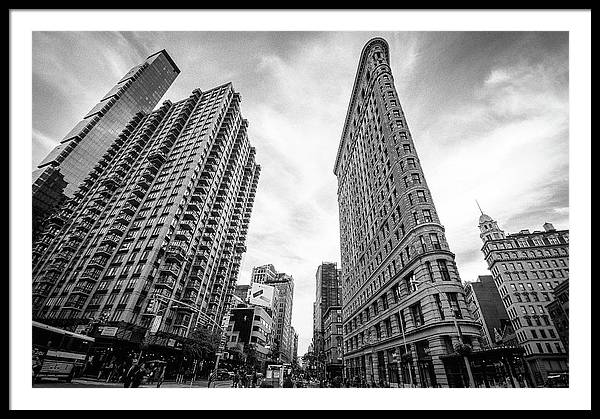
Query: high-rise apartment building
{"x":282,"y":306}
{"x":527,"y":267}
{"x":59,"y":175}
{"x":162,"y":217}
{"x":400,"y":287}
{"x":328,"y":294}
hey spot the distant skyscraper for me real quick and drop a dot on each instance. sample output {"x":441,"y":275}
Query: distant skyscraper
{"x":526,"y":268}
{"x":59,"y":175}
{"x":282,"y":305}
{"x":328,"y":294}
{"x":162,"y":217}
{"x":399,"y":278}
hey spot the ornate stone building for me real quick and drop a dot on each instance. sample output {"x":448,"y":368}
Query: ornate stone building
{"x":400,"y":287}
{"x":527,"y":267}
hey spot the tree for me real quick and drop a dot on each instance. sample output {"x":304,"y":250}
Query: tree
{"x":202,"y":343}
{"x":251,"y":355}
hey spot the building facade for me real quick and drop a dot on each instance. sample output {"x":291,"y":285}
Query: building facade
{"x":283,"y":299}
{"x":158,"y":228}
{"x":59,"y":175}
{"x":527,"y":267}
{"x":328,"y":294}
{"x":242,"y":292}
{"x":333,"y":341}
{"x":400,"y":287}
{"x":559,"y":312}
{"x":487,"y":309}
{"x":263,"y":274}
{"x":249,"y":327}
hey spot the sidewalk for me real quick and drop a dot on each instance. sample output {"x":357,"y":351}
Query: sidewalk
{"x":199,"y":383}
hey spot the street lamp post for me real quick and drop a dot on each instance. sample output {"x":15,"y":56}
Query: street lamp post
{"x":410,"y":380}
{"x":458,"y":332}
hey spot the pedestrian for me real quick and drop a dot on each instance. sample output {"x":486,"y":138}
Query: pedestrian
{"x":129,"y":376}
{"x":236,"y":378}
{"x":161,"y":376}
{"x":254,"y":379}
{"x":138,"y":376}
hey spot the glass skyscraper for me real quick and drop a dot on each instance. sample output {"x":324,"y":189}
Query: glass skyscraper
{"x":59,"y":175}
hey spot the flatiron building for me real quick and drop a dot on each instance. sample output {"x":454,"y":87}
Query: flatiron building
{"x":401,"y":290}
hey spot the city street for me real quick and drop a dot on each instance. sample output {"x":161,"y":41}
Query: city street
{"x":92,"y":383}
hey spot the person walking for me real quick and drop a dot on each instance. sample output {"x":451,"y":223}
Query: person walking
{"x":254,"y":379}
{"x":127,"y":381}
{"x":236,"y":379}
{"x":161,"y":376}
{"x":138,"y":376}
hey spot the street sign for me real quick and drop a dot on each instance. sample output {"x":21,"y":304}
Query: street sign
{"x":109,"y":331}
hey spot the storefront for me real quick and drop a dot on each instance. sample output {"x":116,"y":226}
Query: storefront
{"x":501,"y":366}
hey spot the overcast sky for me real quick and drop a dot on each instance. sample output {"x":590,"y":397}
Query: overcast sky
{"x":488,"y":114}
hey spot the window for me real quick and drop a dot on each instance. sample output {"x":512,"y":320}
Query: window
{"x":435,"y":241}
{"x":453,"y":300}
{"x":443,"y":267}
{"x":417,"y":314}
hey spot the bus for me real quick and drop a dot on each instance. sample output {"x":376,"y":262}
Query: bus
{"x":58,"y":354}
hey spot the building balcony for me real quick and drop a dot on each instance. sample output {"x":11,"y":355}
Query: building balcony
{"x":83,"y":226}
{"x":123,"y":218}
{"x":56,"y":267}
{"x":140,"y":192}
{"x":134,"y":200}
{"x":148,"y":175}
{"x":194,"y":285}
{"x":105,"y":250}
{"x":165,"y":281}
{"x":82,"y":289}
{"x":117,"y":229}
{"x":98,"y":261}
{"x":176,"y":251}
{"x":128,"y":209}
{"x":111,"y":238}
{"x":111,"y":182}
{"x":183,"y":235}
{"x":193,"y":206}
{"x":157,"y":158}
{"x":197,"y":198}
{"x":186,"y":225}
